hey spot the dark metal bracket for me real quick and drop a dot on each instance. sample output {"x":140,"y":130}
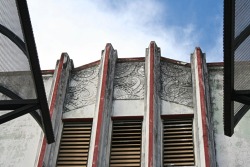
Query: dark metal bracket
{"x":14,"y":38}
{"x":20,"y":107}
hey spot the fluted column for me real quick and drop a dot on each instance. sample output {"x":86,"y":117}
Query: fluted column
{"x":205,"y":151}
{"x":152,"y":120}
{"x":101,"y":120}
{"x":48,"y":153}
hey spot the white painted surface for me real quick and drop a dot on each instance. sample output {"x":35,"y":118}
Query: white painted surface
{"x":20,"y":139}
{"x":84,"y":112}
{"x":47,"y":81}
{"x":230,"y":151}
{"x":199,"y":150}
{"x":170,"y":108}
{"x":128,"y":108}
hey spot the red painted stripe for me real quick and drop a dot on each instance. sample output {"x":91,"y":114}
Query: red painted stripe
{"x":203,"y":106}
{"x":134,"y":59}
{"x":101,"y":106}
{"x":215,"y":64}
{"x":151,"y":105}
{"x":177,"y":116}
{"x":44,"y":72}
{"x":87,"y":65}
{"x":77,"y":120}
{"x":52,"y":106}
{"x":127,"y":118}
{"x":181,"y":63}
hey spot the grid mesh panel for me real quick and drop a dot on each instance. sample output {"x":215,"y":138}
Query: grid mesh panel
{"x":242,"y":66}
{"x":9,"y":17}
{"x":242,"y":15}
{"x":242,"y":53}
{"x":126,"y":144}
{"x":12,"y":58}
{"x":237,"y":107}
{"x":74,"y":146}
{"x":178,"y":142}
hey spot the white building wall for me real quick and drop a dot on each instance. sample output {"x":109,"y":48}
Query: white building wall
{"x":20,"y":139}
{"x":230,"y":151}
{"x":128,"y":108}
{"x":170,"y":108}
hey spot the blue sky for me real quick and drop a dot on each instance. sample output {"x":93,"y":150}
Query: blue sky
{"x":82,"y":28}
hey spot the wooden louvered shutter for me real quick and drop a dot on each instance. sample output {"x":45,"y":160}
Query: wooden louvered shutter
{"x":178,"y":142}
{"x":126,"y":143}
{"x":74,"y":146}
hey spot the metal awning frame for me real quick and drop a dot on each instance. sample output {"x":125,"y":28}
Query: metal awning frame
{"x":38,"y":108}
{"x":230,"y":94}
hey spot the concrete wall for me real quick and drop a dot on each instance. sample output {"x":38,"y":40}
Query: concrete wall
{"x":20,"y":139}
{"x":128,"y":108}
{"x":81,"y":93}
{"x":230,"y":151}
{"x":170,"y":108}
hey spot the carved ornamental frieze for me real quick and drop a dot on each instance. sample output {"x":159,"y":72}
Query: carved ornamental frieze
{"x":176,"y":84}
{"x":129,"y":80}
{"x":82,"y":89}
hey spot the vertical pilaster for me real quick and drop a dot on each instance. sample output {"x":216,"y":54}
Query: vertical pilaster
{"x":202,"y":113}
{"x":152,"y":120}
{"x":57,"y":94}
{"x":101,"y":120}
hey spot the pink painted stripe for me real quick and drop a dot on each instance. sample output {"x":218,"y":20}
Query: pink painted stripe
{"x":101,"y":106}
{"x":151,"y":105}
{"x":203,"y":106}
{"x":52,"y":106}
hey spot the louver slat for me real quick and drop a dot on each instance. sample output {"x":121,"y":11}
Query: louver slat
{"x":126,"y":144}
{"x":178,"y":142}
{"x":74,"y":146}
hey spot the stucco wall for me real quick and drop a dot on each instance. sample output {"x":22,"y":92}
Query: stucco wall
{"x":170,"y":108}
{"x":20,"y":139}
{"x":128,"y":108}
{"x":230,"y":151}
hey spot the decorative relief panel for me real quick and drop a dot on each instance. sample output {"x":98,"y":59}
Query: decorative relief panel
{"x":129,"y":80}
{"x":82,"y":89}
{"x":176,"y":83}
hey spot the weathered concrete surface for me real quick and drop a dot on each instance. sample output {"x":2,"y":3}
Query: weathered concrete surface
{"x":176,"y":83}
{"x":170,"y":108}
{"x":129,"y":80}
{"x":230,"y":151}
{"x":20,"y":138}
{"x":82,"y":90}
{"x":128,"y":108}
{"x":84,"y":112}
{"x":20,"y":83}
{"x":19,"y":142}
{"x":98,"y":155}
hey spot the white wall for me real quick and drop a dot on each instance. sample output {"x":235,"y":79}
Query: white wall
{"x":170,"y":108}
{"x":20,"y":139}
{"x":128,"y":108}
{"x":84,"y":112}
{"x":230,"y":151}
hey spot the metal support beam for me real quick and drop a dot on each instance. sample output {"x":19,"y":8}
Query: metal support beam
{"x":18,"y":112}
{"x":240,"y":114}
{"x":14,"y":38}
{"x":15,"y":104}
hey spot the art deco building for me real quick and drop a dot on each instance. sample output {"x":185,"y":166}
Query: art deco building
{"x":147,"y":112}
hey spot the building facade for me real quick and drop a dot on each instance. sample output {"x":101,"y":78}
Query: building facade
{"x":147,"y":112}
